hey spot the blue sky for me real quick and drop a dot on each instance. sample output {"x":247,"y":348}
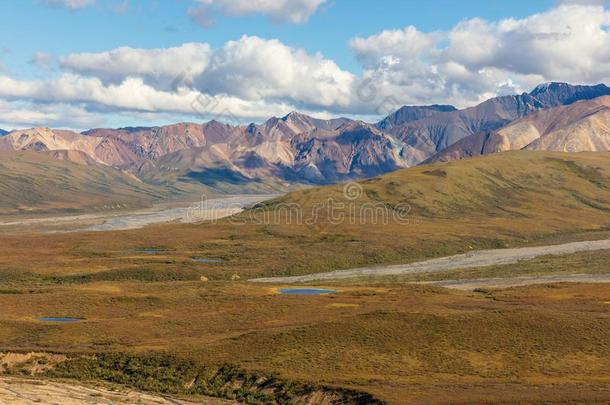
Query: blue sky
{"x":414,"y":51}
{"x":30,"y":27}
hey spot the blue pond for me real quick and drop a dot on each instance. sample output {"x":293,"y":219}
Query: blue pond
{"x":152,"y":251}
{"x":60,"y":319}
{"x":306,"y":291}
{"x":207,"y":261}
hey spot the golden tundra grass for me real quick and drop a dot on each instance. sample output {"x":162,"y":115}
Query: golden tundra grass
{"x":496,"y":201}
{"x":400,"y":342}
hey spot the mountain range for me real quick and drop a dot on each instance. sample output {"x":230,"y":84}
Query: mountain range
{"x":579,"y":127}
{"x":299,"y":149}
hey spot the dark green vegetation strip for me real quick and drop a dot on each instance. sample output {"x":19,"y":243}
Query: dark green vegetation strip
{"x":168,"y":374}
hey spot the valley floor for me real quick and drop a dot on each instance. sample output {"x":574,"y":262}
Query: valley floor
{"x":203,"y":210}
{"x":479,"y":283}
{"x":401,"y":342}
{"x":472,"y":259}
{"x":168,"y":308}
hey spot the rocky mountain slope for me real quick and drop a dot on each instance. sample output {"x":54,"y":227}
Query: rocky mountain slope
{"x":407,"y":114}
{"x":267,"y":155}
{"x":430,"y":135}
{"x":555,"y":94}
{"x":578,"y":127}
{"x":102,"y":150}
{"x":299,"y":149}
{"x":433,"y":134}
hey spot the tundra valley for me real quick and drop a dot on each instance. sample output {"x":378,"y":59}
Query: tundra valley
{"x":432,"y":228}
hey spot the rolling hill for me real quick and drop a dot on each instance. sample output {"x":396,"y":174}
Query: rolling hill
{"x":519,"y":184}
{"x":491,"y":201}
{"x":34,"y":182}
{"x":488,"y":202}
{"x":413,"y":339}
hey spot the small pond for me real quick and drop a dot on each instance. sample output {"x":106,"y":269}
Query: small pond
{"x":207,"y":260}
{"x":60,"y":319}
{"x":151,"y":251}
{"x":306,"y":291}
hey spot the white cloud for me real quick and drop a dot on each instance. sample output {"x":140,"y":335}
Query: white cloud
{"x":398,"y":45}
{"x":478,"y":59}
{"x":253,"y":78}
{"x":291,"y":11}
{"x":69,"y":4}
{"x":567,"y":43}
{"x":158,"y":67}
{"x":22,"y":114}
{"x":253,"y":68}
{"x":247,"y":77}
{"x":133,"y":95}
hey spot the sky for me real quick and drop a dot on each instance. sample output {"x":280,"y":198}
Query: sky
{"x":80,"y":64}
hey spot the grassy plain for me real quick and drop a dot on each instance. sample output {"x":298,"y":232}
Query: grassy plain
{"x":142,"y":294}
{"x":401,"y":343}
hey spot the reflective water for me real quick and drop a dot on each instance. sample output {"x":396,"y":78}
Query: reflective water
{"x":152,"y":251}
{"x":60,"y":319}
{"x":206,"y":260}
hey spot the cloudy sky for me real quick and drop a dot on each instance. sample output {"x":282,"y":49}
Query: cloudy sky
{"x":89,"y":63}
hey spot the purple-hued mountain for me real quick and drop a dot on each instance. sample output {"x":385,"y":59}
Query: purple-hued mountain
{"x":577,"y":127}
{"x":300,"y":149}
{"x":554,"y":94}
{"x":407,"y":114}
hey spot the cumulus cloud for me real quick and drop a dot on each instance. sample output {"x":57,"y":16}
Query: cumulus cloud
{"x":252,"y":78}
{"x":291,"y":11}
{"x":253,"y":68}
{"x":133,"y":95}
{"x":567,"y":43}
{"x":157,"y":67}
{"x":406,"y":44}
{"x":69,"y":4}
{"x":477,"y":58}
{"x":246,"y":77}
{"x":24,"y":114}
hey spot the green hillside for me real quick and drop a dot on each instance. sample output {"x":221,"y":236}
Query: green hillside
{"x":536,"y":185}
{"x":32,"y":183}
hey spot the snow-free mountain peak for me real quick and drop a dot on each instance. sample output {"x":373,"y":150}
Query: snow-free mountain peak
{"x":407,"y":114}
{"x":554,"y":94}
